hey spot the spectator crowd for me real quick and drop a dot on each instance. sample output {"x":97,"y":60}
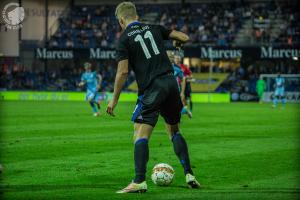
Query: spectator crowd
{"x":206,"y":23}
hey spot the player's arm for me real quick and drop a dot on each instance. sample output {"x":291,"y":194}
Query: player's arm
{"x":183,"y":84}
{"x":120,"y":80}
{"x":81,"y":83}
{"x":179,"y":38}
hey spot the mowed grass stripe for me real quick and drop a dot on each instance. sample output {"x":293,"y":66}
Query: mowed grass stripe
{"x":218,"y":172}
{"x":206,"y":149}
{"x":207,"y":146}
{"x":154,"y":153}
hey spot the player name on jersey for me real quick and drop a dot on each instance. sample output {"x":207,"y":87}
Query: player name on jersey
{"x":142,"y":29}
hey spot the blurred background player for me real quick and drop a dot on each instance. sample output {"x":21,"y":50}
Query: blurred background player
{"x":181,"y":80}
{"x":92,"y":80}
{"x":260,"y":88}
{"x":279,"y":91}
{"x":186,"y":95}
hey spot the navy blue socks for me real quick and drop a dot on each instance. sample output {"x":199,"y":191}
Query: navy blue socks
{"x":141,"y":157}
{"x":181,"y":150}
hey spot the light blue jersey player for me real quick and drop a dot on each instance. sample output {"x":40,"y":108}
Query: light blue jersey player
{"x":179,"y":75}
{"x":92,"y":80}
{"x":279,"y":91}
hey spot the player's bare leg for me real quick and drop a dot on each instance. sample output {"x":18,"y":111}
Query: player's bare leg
{"x":181,"y":150}
{"x":275,"y":101}
{"x":283,"y":101}
{"x":142,"y":133}
{"x":185,"y":109}
{"x":95,"y":111}
{"x":98,"y":104}
{"x":97,"y":101}
{"x":191,"y":104}
{"x":189,"y":107}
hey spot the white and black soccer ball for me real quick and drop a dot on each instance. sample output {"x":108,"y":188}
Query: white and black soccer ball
{"x":162,"y":174}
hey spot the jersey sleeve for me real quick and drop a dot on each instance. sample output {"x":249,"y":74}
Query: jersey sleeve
{"x":122,"y":49}
{"x":165,"y":32}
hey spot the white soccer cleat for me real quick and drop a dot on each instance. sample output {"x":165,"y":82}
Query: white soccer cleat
{"x":191,"y":181}
{"x":96,"y":114}
{"x":134,"y":188}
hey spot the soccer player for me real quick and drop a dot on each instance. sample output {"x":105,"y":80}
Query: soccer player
{"x":279,"y":91}
{"x":142,"y":46}
{"x":177,"y":72}
{"x":181,"y":80}
{"x":260,"y":88}
{"x":92,"y":80}
{"x":187,"y":100}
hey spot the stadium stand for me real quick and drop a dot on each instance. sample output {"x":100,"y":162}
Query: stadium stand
{"x":207,"y":23}
{"x":235,"y":23}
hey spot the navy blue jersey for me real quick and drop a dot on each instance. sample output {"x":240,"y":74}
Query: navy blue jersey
{"x":143,"y":46}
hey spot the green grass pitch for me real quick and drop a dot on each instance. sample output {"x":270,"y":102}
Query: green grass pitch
{"x":57,"y":150}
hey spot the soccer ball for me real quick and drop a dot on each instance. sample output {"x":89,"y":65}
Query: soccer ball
{"x":162,"y":174}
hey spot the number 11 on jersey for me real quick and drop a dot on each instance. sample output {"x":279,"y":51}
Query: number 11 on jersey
{"x":148,"y":35}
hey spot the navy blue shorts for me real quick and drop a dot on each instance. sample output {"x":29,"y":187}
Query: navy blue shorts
{"x":160,"y":98}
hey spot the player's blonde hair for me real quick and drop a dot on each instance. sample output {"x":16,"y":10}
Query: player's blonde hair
{"x":127,"y":10}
